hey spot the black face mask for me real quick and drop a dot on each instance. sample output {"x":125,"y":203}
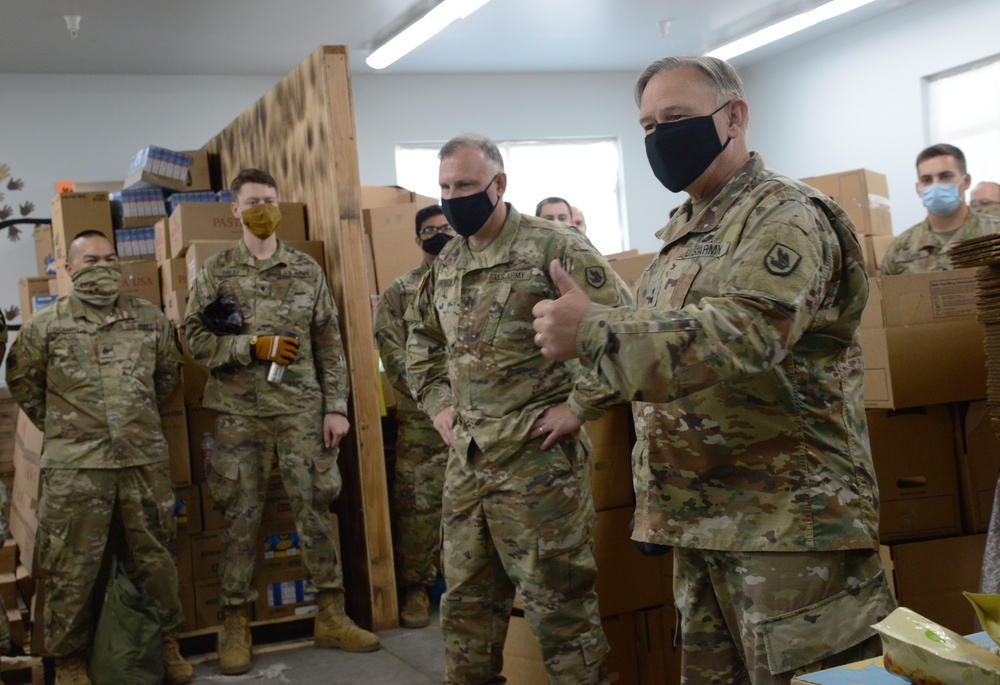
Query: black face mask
{"x":468,"y":214}
{"x":435,"y":243}
{"x":680,"y":151}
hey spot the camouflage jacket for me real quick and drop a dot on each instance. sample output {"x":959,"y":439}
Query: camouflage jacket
{"x":3,"y":335}
{"x":287,"y":291}
{"x":919,"y":249}
{"x":390,"y":331}
{"x":744,"y":364}
{"x":471,"y":343}
{"x":93,"y":384}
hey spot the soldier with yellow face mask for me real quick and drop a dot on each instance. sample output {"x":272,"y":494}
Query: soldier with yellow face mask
{"x":262,"y":319}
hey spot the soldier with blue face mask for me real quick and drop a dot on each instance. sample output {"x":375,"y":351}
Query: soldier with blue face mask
{"x":942,"y":182}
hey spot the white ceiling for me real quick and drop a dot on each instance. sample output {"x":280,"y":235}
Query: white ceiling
{"x":263,"y":37}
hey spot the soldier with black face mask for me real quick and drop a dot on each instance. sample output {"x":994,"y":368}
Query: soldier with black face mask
{"x":420,"y":451}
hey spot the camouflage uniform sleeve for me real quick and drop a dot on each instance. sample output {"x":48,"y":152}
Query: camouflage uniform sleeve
{"x":26,"y":371}
{"x":208,"y":349}
{"x":168,"y":361}
{"x":591,"y":394}
{"x":3,"y":334}
{"x":751,"y":326}
{"x":390,"y":332}
{"x":328,"y":350}
{"x":426,"y":358}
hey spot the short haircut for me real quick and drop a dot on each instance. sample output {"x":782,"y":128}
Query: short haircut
{"x":474,"y":140}
{"x":426,"y":213}
{"x":551,"y":201}
{"x":81,"y":236}
{"x":251,"y":176}
{"x":719,"y":75}
{"x":942,"y":150}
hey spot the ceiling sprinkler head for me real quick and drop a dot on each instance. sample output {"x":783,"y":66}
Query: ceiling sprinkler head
{"x":73,"y":24}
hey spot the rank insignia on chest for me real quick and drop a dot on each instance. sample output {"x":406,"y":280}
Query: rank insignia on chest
{"x":781,"y":260}
{"x":596,"y":277}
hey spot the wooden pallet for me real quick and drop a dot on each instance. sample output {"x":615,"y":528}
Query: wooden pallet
{"x":22,"y":669}
{"x":274,"y":635}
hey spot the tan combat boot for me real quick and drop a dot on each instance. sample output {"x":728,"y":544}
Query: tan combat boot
{"x":177,"y":669}
{"x":334,"y":628}
{"x":71,"y":670}
{"x":416,"y":611}
{"x":234,"y":642}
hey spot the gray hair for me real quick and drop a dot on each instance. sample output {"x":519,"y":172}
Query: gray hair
{"x":719,"y":75}
{"x":481,"y":143}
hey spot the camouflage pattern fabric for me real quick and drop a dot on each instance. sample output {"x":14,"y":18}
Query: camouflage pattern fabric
{"x":525,"y":521}
{"x":288,"y":291}
{"x":420,"y":452}
{"x":245,"y":450}
{"x":74,"y":517}
{"x":514,"y":516}
{"x":744,"y":364}
{"x":4,"y":624}
{"x":776,"y":619}
{"x":93,"y":383}
{"x":919,"y":249}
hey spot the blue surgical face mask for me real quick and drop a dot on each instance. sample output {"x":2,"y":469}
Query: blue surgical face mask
{"x":941,"y":198}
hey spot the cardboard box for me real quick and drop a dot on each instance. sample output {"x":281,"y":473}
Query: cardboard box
{"x":917,"y":472}
{"x":74,"y":213}
{"x":173,"y":278}
{"x":206,"y":221}
{"x":278,"y":546}
{"x":27,"y":489}
{"x":186,"y":171}
{"x":658,"y":660}
{"x":208,"y":612}
{"x":935,"y":363}
{"x":44,"y":259}
{"x":175,"y":307}
{"x":630,"y":268}
{"x":187,"y":509}
{"x":281,"y":593}
{"x":181,"y":554}
{"x":200,"y":422}
{"x":188,"y":606}
{"x":206,"y":553}
{"x":930,"y":576}
{"x":863,"y":194}
{"x":381,"y":196}
{"x":141,"y":279}
{"x":874,"y":247}
{"x":8,"y":556}
{"x":914,"y":299}
{"x":8,"y":411}
{"x":29,"y":288}
{"x":626,"y":580}
{"x":173,"y":420}
{"x":161,"y":240}
{"x":392,"y":233}
{"x":611,"y":438}
{"x":978,"y":452}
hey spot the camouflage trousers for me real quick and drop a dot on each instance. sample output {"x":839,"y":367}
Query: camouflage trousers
{"x":74,"y":521}
{"x":526,"y":523}
{"x":245,"y":450}
{"x":420,"y":461}
{"x":4,"y":623}
{"x":764,"y":617}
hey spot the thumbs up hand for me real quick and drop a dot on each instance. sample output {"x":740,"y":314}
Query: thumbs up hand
{"x":557,"y":322}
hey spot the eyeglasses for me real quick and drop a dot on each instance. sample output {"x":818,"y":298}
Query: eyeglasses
{"x":431,"y":231}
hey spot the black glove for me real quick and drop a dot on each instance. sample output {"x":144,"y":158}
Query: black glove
{"x":648,"y":549}
{"x":222,"y":316}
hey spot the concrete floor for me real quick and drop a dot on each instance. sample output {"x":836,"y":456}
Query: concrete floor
{"x":407,"y":657}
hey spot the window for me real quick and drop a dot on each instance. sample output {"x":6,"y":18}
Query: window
{"x":964,"y":110}
{"x":584,"y":172}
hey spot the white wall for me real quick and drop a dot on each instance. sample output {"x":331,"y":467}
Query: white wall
{"x":856,"y":99}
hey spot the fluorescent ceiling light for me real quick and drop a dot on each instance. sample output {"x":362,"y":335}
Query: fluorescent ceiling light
{"x":421,"y":30}
{"x":786,"y":28}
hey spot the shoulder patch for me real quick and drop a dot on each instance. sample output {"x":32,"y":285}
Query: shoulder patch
{"x":596,"y":278}
{"x":781,"y":260}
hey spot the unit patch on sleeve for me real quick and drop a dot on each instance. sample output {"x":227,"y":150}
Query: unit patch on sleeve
{"x":596,"y":277}
{"x":781,"y":260}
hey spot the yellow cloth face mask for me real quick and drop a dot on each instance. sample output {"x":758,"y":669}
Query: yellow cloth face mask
{"x":262,"y":220}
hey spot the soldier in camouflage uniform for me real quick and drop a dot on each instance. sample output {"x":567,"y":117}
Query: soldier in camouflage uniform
{"x":420,"y":452}
{"x":91,"y":371}
{"x":985,"y":198}
{"x":288,"y":318}
{"x":941,"y":182}
{"x":517,"y":508}
{"x":743,"y":362}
